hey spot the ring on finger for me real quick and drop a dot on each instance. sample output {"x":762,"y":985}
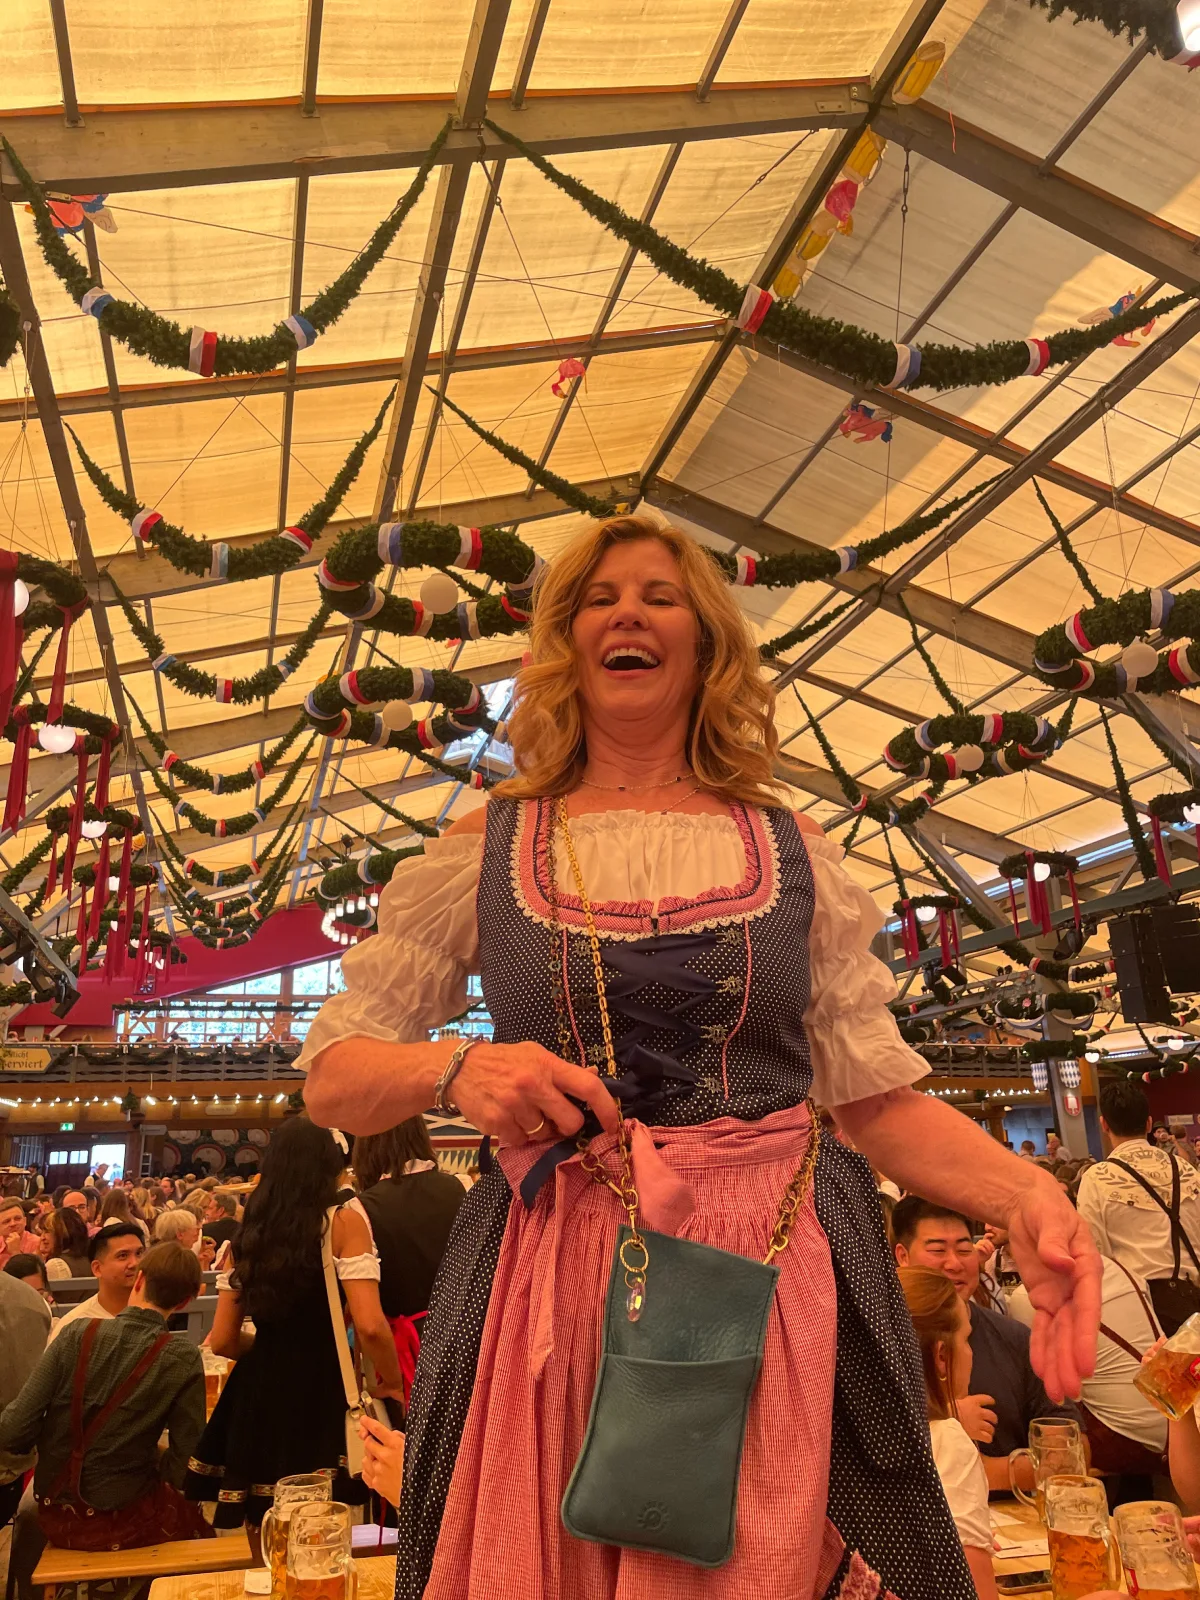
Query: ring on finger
{"x":532,"y":1133}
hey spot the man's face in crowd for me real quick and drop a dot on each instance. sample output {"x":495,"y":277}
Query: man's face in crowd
{"x":214,"y":1210}
{"x":943,"y":1244}
{"x":117,"y":1264}
{"x":189,"y":1235}
{"x":12,"y":1224}
{"x":76,"y":1201}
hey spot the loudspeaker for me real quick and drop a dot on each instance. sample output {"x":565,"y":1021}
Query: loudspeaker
{"x":1177,"y":929}
{"x":1137,"y":957}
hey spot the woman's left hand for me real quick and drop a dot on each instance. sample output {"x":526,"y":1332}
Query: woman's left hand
{"x":1061,"y":1269}
{"x":383,"y":1458}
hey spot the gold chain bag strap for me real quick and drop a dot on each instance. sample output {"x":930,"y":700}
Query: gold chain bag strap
{"x":660,"y":1461}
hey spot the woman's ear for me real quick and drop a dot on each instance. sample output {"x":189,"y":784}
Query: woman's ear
{"x":941,"y":1361}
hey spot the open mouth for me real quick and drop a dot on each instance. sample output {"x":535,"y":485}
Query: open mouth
{"x":630,"y":658}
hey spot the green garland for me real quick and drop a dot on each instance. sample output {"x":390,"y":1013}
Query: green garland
{"x":58,"y":818}
{"x":165,"y":342}
{"x":231,"y":827}
{"x":99,"y":730}
{"x":1169,"y":807}
{"x":15,"y":994}
{"x":366,"y":727}
{"x":372,"y":872}
{"x":1058,"y":660}
{"x":140,"y":875}
{"x":1055,"y":1049}
{"x":10,"y":326}
{"x":202,"y":559}
{"x":865,"y":357}
{"x":1132,"y":18}
{"x":376,"y":685}
{"x":885,"y":812}
{"x":566,"y":491}
{"x":1060,"y":862}
{"x":939,"y":902}
{"x":206,"y":685}
{"x":931,"y":666}
{"x":20,"y":870}
{"x":231,"y":877}
{"x":1067,"y":548}
{"x":218,"y":782}
{"x":1137,"y":838}
{"x":803,"y":630}
{"x":1018,"y":741}
{"x":65,"y":588}
{"x":425,"y":829}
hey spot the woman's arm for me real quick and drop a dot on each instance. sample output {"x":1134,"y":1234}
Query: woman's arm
{"x":352,"y":1237}
{"x":227,"y":1337}
{"x":509,"y":1090}
{"x":982,"y":1571}
{"x":932,"y":1149}
{"x":1183,"y":1444}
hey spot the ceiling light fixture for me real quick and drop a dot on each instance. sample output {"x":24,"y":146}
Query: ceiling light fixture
{"x":1188,"y":12}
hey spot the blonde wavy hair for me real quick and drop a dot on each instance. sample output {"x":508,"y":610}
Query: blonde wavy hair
{"x":731,"y":740}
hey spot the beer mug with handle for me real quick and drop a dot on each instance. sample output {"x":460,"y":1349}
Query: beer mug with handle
{"x":1083,"y":1557}
{"x":1055,"y":1447}
{"x":320,"y":1562}
{"x":1154,"y":1551}
{"x":301,"y":1489}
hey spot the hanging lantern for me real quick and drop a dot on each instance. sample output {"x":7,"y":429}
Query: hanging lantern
{"x":439,"y":594}
{"x":1140,"y":660}
{"x":55,"y":739}
{"x":94,"y":830}
{"x":396,"y":716}
{"x":20,"y":598}
{"x":968,"y":758}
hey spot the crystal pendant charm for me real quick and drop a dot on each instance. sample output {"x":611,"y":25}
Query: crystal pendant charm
{"x":635,"y":1300}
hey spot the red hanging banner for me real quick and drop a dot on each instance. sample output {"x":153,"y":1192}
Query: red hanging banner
{"x":58,"y":684}
{"x":1161,"y":863}
{"x":12,"y":633}
{"x":75,"y":830}
{"x":18,"y":772}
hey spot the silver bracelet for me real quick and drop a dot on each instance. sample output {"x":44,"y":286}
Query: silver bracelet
{"x":441,"y":1104}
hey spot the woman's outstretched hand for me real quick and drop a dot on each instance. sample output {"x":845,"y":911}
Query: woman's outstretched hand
{"x":520,"y":1092}
{"x":1061,"y":1269}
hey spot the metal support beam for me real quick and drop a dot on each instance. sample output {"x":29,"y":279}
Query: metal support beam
{"x":312,"y":57}
{"x":1112,"y":226}
{"x":116,"y":152}
{"x":12,"y":261}
{"x":720,"y":48}
{"x":350,"y":373}
{"x":931,"y":832}
{"x":66,"y":71}
{"x":529,"y":50}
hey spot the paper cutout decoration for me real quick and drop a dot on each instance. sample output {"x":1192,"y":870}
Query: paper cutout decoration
{"x":572,"y":367}
{"x":1103,"y":314}
{"x":68,"y":212}
{"x":862,"y":423}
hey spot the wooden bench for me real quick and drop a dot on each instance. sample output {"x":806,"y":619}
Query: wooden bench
{"x":77,"y":1568}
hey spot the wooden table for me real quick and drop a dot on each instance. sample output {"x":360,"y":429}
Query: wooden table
{"x":188,"y":1557}
{"x":376,"y":1581}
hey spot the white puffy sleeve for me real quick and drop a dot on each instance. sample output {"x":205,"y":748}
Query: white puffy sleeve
{"x":411,"y":975}
{"x":856,"y":1046}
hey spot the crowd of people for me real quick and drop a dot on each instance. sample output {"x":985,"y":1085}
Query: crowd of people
{"x":377,"y":1227}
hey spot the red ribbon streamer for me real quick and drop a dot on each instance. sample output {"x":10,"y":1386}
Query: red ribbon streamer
{"x":100,"y":890}
{"x":12,"y":633}
{"x":81,"y":930}
{"x":139,"y":973}
{"x":58,"y":684}
{"x":74,"y":832}
{"x":100,"y":798}
{"x":18,"y":772}
{"x":1160,"y":854}
{"x":908,"y":928}
{"x":1012,"y":900}
{"x":1035,"y":892}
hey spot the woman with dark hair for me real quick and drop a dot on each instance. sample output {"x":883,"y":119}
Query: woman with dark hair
{"x":69,"y":1241}
{"x":283,"y":1408}
{"x":118,"y":1207}
{"x":411,"y":1207}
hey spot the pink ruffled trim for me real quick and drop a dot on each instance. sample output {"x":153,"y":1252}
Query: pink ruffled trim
{"x":755,"y":892}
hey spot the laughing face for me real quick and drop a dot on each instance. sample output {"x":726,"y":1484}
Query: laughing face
{"x":636,"y":638}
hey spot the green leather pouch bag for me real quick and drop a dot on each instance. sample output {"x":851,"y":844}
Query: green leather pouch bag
{"x":660,"y":1461}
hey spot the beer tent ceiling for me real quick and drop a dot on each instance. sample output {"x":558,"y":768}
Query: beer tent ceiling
{"x":214,"y":130}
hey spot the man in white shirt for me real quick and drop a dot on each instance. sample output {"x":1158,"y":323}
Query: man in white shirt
{"x":114,"y":1253}
{"x":1126,"y":1222}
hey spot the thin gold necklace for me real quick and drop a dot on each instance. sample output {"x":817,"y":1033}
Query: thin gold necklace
{"x":633,"y":788}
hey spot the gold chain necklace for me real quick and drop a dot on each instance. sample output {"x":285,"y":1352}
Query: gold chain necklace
{"x":632,"y":788}
{"x":624,"y":1186}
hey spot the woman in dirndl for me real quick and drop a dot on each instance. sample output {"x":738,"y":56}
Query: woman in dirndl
{"x":645,"y":834}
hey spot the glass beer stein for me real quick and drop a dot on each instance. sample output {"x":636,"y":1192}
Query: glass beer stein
{"x":1170,"y":1379}
{"x":1082,"y":1554}
{"x":320,"y":1563}
{"x":1055,"y":1447}
{"x":1154,"y":1551}
{"x":302,"y":1489}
